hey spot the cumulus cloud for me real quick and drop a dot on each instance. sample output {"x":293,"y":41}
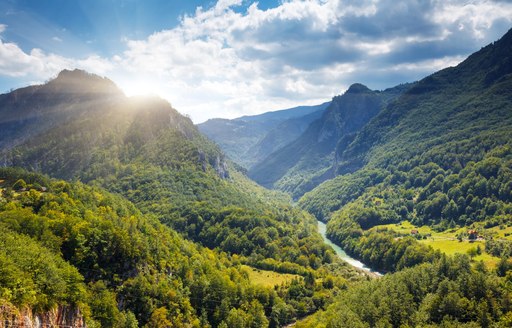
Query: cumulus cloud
{"x":228,"y":61}
{"x":237,"y":63}
{"x":38,"y":65}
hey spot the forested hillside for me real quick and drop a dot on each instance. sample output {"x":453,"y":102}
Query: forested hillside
{"x":129,"y":263}
{"x":445,"y":140}
{"x":307,"y":161}
{"x":80,"y":246}
{"x":431,"y":177}
{"x":445,"y":293}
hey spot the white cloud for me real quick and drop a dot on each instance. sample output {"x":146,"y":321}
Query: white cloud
{"x":222,"y":62}
{"x":57,"y":39}
{"x":38,"y":65}
{"x":225,"y":4}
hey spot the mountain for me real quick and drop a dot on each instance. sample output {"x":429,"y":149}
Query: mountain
{"x":157,"y":226}
{"x":448,"y":121}
{"x":438,"y":157}
{"x":307,"y":161}
{"x":429,"y":197}
{"x":249,"y":139}
{"x":26,"y":112}
{"x":143,"y":149}
{"x":280,"y":136}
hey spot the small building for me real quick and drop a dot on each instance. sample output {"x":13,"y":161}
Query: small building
{"x":472,"y":234}
{"x":414,"y":232}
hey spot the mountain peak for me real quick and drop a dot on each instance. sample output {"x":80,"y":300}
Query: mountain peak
{"x":358,"y":88}
{"x":73,"y":73}
{"x":77,"y":75}
{"x":507,"y":38}
{"x":84,"y":82}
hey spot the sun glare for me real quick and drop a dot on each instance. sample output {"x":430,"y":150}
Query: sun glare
{"x":140,"y":87}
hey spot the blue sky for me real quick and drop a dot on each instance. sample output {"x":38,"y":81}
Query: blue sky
{"x":229,"y":58}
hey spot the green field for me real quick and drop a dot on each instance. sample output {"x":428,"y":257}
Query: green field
{"x":268,"y":278}
{"x":447,"y":242}
{"x":502,"y":232}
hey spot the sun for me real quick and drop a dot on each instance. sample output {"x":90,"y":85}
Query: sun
{"x":140,"y":86}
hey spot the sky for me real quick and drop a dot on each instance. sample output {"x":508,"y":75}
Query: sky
{"x":230,"y":58}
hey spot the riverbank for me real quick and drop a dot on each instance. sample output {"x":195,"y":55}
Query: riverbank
{"x":322,"y":229}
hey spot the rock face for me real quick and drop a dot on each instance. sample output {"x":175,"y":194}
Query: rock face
{"x":61,"y":316}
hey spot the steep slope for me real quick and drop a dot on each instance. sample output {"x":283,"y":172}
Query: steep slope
{"x":248,"y":139}
{"x":455,"y":104}
{"x":440,"y":157}
{"x":304,"y":163}
{"x":446,"y":121}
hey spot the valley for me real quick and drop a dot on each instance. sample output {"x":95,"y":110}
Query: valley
{"x":379,"y":208}
{"x":422,"y":182}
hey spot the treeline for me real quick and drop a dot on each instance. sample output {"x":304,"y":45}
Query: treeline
{"x":446,"y":293}
{"x":424,"y":194}
{"x":382,"y":250}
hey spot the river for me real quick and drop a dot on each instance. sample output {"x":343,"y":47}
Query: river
{"x":322,"y":229}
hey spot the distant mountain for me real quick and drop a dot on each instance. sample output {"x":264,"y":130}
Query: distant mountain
{"x":249,"y":139}
{"x":282,"y":135}
{"x":307,"y":161}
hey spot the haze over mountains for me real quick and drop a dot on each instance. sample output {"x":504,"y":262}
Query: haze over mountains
{"x":250,"y":139}
{"x":151,"y":224}
{"x":293,"y":150}
{"x":306,"y":161}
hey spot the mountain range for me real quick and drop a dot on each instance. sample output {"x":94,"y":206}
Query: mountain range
{"x":249,"y":139}
{"x":308,"y":160}
{"x":118,"y":212}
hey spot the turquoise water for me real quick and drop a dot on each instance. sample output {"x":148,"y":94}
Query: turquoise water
{"x":341,"y":253}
